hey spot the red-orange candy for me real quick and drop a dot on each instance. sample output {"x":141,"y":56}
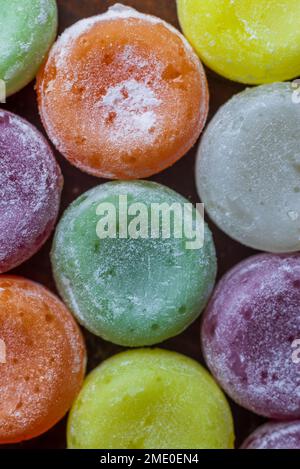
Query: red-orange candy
{"x":122,"y":95}
{"x":42,"y":359}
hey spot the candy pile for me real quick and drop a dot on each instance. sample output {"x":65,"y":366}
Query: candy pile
{"x":123,"y":95}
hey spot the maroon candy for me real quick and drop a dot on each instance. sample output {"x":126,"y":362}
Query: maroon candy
{"x":30,"y":190}
{"x":249,"y":330}
{"x":284,"y":435}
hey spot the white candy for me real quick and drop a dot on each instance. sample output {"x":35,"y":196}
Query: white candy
{"x":248,"y":168}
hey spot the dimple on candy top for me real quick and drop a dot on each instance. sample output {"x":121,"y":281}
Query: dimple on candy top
{"x":122,"y":95}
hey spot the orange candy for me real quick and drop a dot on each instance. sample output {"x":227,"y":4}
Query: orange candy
{"x":42,"y":359}
{"x":122,"y":95}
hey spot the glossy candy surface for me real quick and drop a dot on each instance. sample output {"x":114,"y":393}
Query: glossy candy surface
{"x":27,"y":30}
{"x":42,"y":359}
{"x":248,"y":168}
{"x":122,"y":95}
{"x":30,"y":190}
{"x":147,"y":399}
{"x":249,"y":332}
{"x":253,"y":42}
{"x":129,"y":291}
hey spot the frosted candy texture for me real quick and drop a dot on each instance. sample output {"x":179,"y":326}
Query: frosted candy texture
{"x":116,"y":90}
{"x":248,"y":330}
{"x":44,"y":360}
{"x":27,"y":29}
{"x":150,"y":399}
{"x":130,"y":291}
{"x":253,"y":42}
{"x":30,"y":189}
{"x":248,"y":168}
{"x":275,"y":436}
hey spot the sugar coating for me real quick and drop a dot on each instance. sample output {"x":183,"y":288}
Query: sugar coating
{"x":135,"y":116}
{"x":132,"y":292}
{"x":250,"y":42}
{"x":248,"y":168}
{"x":150,"y":399}
{"x":44,"y":360}
{"x":115,"y":91}
{"x":30,"y":190}
{"x":248,"y":330}
{"x":27,"y":30}
{"x":284,"y":435}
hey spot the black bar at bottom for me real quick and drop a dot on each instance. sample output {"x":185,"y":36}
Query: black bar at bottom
{"x":135,"y":458}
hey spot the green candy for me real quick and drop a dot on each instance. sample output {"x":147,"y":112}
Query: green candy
{"x":132,"y":292}
{"x":27,"y":30}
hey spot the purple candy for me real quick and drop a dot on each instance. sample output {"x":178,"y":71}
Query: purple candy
{"x":250,"y":331}
{"x":284,"y":435}
{"x":30,"y":190}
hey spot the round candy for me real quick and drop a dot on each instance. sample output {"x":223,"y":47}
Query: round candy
{"x":122,"y":95}
{"x":135,"y":401}
{"x":284,"y":435}
{"x":249,"y":331}
{"x":27,"y":30}
{"x":248,"y":168}
{"x":30,"y":189}
{"x":250,"y":42}
{"x":132,"y":288}
{"x":42,"y":359}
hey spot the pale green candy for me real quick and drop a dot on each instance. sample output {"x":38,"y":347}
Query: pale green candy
{"x":27,"y":30}
{"x":132,"y":292}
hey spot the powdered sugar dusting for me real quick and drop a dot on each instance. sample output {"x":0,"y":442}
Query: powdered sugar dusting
{"x":45,"y":359}
{"x":116,"y":288}
{"x":248,"y":168}
{"x":30,"y":186}
{"x":44,"y":12}
{"x":132,"y":105}
{"x":121,"y":96}
{"x":117,"y":11}
{"x":284,"y":435}
{"x":27,"y":30}
{"x":248,"y":331}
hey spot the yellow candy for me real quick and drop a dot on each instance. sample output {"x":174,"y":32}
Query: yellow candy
{"x":250,"y":41}
{"x":150,"y":399}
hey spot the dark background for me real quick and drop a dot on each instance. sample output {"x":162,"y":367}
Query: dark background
{"x":180,"y":178}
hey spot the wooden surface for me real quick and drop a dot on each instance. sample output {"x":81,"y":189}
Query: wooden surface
{"x":180,"y":178}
